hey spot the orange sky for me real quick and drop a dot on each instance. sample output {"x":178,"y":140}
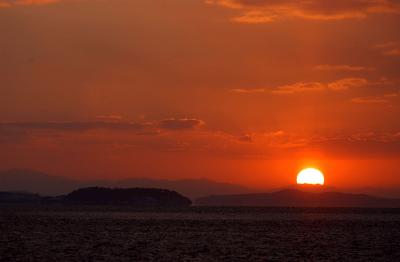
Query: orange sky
{"x":243,"y":91}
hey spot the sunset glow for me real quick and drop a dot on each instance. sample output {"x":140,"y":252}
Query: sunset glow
{"x":310,"y":176}
{"x":234,"y":91}
{"x":225,"y":113}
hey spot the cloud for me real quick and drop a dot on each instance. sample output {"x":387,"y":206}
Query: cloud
{"x":111,"y":123}
{"x":391,"y":95}
{"x":369,"y":100}
{"x":273,"y":143}
{"x":393,"y":52}
{"x":386,"y":45}
{"x":23,"y":132}
{"x":246,"y":138}
{"x":347,"y":83}
{"x":266,"y":11}
{"x":109,"y":117}
{"x":389,"y":48}
{"x":254,"y":17}
{"x":248,"y":91}
{"x":11,"y":3}
{"x":180,"y":124}
{"x":72,"y":126}
{"x":304,"y":87}
{"x":347,"y":68}
{"x":342,"y":84}
{"x":299,"y":88}
{"x":360,"y":144}
{"x":277,"y":133}
{"x":383,"y":99}
{"x":93,"y":134}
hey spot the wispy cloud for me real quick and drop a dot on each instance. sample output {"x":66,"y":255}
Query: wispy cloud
{"x":11,"y":3}
{"x":72,"y":126}
{"x":389,"y":48}
{"x":247,"y":138}
{"x":382,"y":99}
{"x":304,"y":87}
{"x":347,"y":83}
{"x":393,"y":52}
{"x":109,"y":118}
{"x":112,"y":123}
{"x":248,"y":91}
{"x":369,"y":100}
{"x":342,"y":84}
{"x":181,"y":123}
{"x":265,"y":11}
{"x":299,"y":88}
{"x":347,"y":68}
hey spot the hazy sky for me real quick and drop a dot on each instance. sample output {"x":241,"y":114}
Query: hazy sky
{"x":243,"y":91}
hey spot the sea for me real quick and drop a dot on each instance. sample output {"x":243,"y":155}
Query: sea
{"x":109,"y":233}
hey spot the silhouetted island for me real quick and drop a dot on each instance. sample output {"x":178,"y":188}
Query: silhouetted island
{"x":130,"y":196}
{"x":24,"y":180}
{"x":298,"y":198}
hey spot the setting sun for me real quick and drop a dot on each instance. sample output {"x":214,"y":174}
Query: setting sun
{"x":310,"y":176}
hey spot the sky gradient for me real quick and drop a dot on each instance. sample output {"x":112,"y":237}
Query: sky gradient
{"x":242,"y":91}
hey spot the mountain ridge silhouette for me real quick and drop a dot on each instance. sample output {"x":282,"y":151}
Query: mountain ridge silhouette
{"x":299,"y":198}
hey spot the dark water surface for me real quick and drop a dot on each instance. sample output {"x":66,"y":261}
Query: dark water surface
{"x":198,"y":234}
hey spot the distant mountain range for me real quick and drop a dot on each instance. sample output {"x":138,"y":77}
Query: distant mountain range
{"x":21,"y":197}
{"x":203,"y":191}
{"x":299,"y":198}
{"x":19,"y":180}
